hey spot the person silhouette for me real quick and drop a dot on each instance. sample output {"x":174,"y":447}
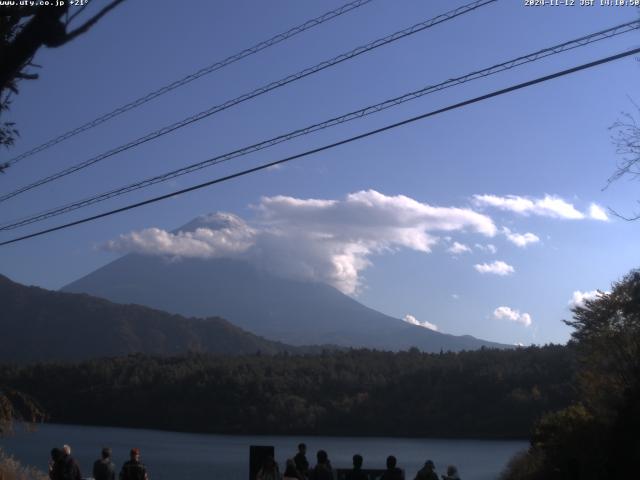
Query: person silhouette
{"x":392,"y":472}
{"x":356,"y":473}
{"x":427,"y":472}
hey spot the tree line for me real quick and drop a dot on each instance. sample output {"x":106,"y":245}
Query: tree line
{"x":483,"y":393}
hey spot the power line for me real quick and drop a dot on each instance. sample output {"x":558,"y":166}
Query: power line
{"x":332,"y":145}
{"x":531,"y":57}
{"x":193,"y":76}
{"x":255,"y":93}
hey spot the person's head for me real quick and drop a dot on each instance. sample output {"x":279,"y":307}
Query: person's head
{"x":357,"y":461}
{"x":452,"y":470}
{"x":135,"y":454}
{"x":56,"y":454}
{"x":429,"y":465}
{"x":269,"y":463}
{"x":391,"y":461}
{"x":66,"y":450}
{"x":302,"y":448}
{"x":106,"y":452}
{"x":322,"y":456}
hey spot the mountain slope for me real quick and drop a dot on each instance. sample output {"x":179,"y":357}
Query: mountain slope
{"x":295,"y":312}
{"x":38,"y":325}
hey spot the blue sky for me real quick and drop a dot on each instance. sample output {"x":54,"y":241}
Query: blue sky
{"x":549,"y":141}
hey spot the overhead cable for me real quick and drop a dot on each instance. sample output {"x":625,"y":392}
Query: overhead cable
{"x":330,"y":146}
{"x":255,"y":93}
{"x":492,"y":70}
{"x":193,"y":76}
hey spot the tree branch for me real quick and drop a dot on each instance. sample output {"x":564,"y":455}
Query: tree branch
{"x":92,"y":21}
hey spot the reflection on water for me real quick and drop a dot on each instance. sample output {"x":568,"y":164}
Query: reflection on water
{"x":178,"y":456}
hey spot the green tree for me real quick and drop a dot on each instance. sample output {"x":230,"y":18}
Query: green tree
{"x":607,"y":339}
{"x":596,"y":438}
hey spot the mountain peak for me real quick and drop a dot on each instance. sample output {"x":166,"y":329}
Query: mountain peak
{"x":214,"y":221}
{"x":291,"y":311}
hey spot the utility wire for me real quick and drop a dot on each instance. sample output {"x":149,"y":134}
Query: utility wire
{"x":257,"y":92}
{"x":191,"y":77}
{"x":531,"y":57}
{"x":332,"y":145}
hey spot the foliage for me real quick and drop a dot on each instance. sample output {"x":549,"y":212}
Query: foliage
{"x":607,"y":338}
{"x":488,"y":393}
{"x":570,"y":441}
{"x":17,"y":406}
{"x":596,"y":438}
{"x":9,"y":25}
{"x":525,"y":465}
{"x":11,"y":469}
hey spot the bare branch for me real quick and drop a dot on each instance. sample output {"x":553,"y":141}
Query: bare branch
{"x":626,"y":139}
{"x":92,"y":21}
{"x":27,"y":76}
{"x":78,"y":12}
{"x":632,"y":218}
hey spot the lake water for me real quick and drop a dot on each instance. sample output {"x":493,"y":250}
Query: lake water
{"x":184,"y":456}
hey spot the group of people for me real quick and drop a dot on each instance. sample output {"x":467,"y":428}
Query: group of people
{"x":298,"y":468}
{"x":63,"y":466}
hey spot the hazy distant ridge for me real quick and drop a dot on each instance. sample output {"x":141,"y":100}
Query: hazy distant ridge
{"x":40,"y":325}
{"x":291,"y":311}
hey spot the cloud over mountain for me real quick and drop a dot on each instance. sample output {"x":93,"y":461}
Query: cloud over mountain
{"x":321,"y":239}
{"x":413,"y":321}
{"x":224,"y":235}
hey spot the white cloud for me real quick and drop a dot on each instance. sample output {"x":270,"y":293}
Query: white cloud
{"x":597,"y":212}
{"x":455,"y":296}
{"x":497,"y":268}
{"x":324,"y":240}
{"x":489,"y":248}
{"x":520,"y":239}
{"x":412,"y":320}
{"x":507,"y":313}
{"x":578,"y":298}
{"x":548,"y":206}
{"x":458,"y":248}
{"x":231,"y":236}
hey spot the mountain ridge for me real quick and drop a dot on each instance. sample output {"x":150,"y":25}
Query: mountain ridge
{"x":291,"y":311}
{"x":45,"y":325}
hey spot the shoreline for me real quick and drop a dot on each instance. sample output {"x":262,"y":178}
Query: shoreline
{"x":496,"y":438}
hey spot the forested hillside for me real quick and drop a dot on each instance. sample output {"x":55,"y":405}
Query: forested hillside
{"x":485,"y":393}
{"x":39,"y":325}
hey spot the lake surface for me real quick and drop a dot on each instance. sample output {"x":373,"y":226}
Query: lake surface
{"x":183,"y":456}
